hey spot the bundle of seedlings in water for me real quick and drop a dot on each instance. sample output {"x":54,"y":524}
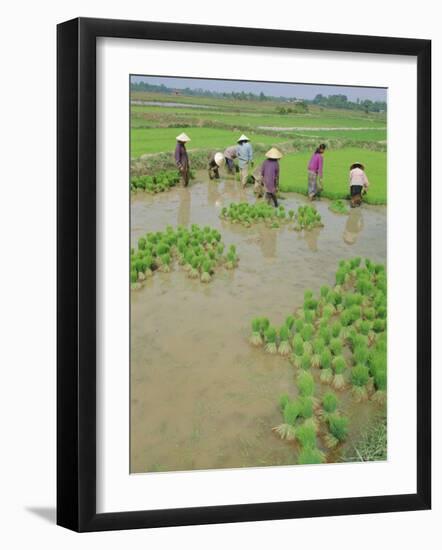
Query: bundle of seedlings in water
{"x":206,"y":272}
{"x":284,"y":344}
{"x":306,"y":384}
{"x":250,"y":214}
{"x":307,"y":217}
{"x":290,"y":413}
{"x":311,"y":455}
{"x":329,"y":405}
{"x":325,"y":333}
{"x":338,"y":430}
{"x":336,"y":329}
{"x":165,"y":263}
{"x":339,"y":206}
{"x":318,"y":348}
{"x":336,"y":346}
{"x":161,"y":181}
{"x":232,"y":258}
{"x":378,"y":370}
{"x":298,"y":350}
{"x":306,"y":435}
{"x":339,"y":367}
{"x":299,"y":324}
{"x":256,"y":338}
{"x":326,"y":375}
{"x":359,"y":377}
{"x":270,"y":339}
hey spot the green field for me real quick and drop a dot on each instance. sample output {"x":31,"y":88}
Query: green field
{"x":216,"y":124}
{"x":336,"y":167}
{"x":157,"y":140}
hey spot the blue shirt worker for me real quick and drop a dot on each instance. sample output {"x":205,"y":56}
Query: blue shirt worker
{"x":245,"y":158}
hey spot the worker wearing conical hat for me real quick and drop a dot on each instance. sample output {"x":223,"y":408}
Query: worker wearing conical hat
{"x":245,"y":157}
{"x":270,"y":174}
{"x":216,"y":160}
{"x":181,"y":157}
{"x":315,"y":172}
{"x":230,"y":154}
{"x":358,"y":183}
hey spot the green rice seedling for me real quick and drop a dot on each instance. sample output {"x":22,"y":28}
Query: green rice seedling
{"x":299,"y":324}
{"x":327,"y":311}
{"x":289,"y":322}
{"x":359,"y":377}
{"x":318,"y":348}
{"x":339,"y":366}
{"x":291,"y":214}
{"x":142,"y":243}
{"x":336,"y":346}
{"x":256,"y":338}
{"x":308,"y":295}
{"x":206,"y":268}
{"x":306,"y":435}
{"x":326,"y":375}
{"x":339,"y":206}
{"x":309,"y":316}
{"x":285,"y":431}
{"x":283,"y":400}
{"x":365,"y":327}
{"x":341,"y":277}
{"x":193,"y":272}
{"x":324,"y":291}
{"x":325,"y":334}
{"x":307,"y":332}
{"x":270,"y":339}
{"x":355,"y":312}
{"x":165,"y":263}
{"x":329,"y":402}
{"x":369,"y":313}
{"x":360,"y":354}
{"x":284,"y":344}
{"x":379,"y":325}
{"x":291,"y":412}
{"x":311,"y":455}
{"x":380,"y":382}
{"x":306,"y":384}
{"x":306,"y":361}
{"x":336,"y":329}
{"x":133,"y":276}
{"x":264,"y":324}
{"x":355,"y":262}
{"x":338,"y":430}
{"x":306,"y":406}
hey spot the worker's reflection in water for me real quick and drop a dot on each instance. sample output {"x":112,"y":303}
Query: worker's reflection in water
{"x":183,"y":216}
{"x":353,"y":227}
{"x":311,"y":238}
{"x":268,"y":241}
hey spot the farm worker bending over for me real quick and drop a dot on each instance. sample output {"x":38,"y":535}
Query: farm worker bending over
{"x":181,"y":158}
{"x":230,"y":154}
{"x":270,"y":174}
{"x":216,"y":160}
{"x":315,"y":172}
{"x":245,"y":157}
{"x":358,"y":182}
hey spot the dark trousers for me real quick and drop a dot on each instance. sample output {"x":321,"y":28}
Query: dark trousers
{"x":356,"y":195}
{"x":271,"y":197}
{"x":213,"y":170}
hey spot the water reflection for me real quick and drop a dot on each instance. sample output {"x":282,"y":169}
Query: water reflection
{"x":184,"y":205}
{"x":311,"y":238}
{"x":354,"y":225}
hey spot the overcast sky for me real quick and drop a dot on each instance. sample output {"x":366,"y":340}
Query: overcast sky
{"x":305,"y":91}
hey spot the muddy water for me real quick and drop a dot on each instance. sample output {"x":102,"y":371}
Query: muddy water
{"x":201,"y":396}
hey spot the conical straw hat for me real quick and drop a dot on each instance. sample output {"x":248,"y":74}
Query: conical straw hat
{"x":183,"y":137}
{"x":273,"y":153}
{"x":243,"y":138}
{"x":219,"y":159}
{"x":356,"y":165}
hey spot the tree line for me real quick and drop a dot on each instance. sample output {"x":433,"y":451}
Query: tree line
{"x":334,"y":101}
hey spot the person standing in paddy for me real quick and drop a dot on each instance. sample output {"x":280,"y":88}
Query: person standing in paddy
{"x":245,"y":158}
{"x":181,"y":158}
{"x":315,"y":172}
{"x":270,"y":174}
{"x":358,"y":182}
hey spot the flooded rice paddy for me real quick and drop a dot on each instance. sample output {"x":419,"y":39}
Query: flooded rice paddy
{"x":201,"y":396}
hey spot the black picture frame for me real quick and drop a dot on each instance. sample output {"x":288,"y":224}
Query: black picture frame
{"x":76,"y":274}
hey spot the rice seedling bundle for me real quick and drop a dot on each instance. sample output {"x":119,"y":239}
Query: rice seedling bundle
{"x":339,"y":367}
{"x":360,"y":376}
{"x":307,"y":217}
{"x":291,"y":412}
{"x":306,"y":384}
{"x":162,"y":181}
{"x":284,"y":345}
{"x":270,"y":339}
{"x":326,"y":375}
{"x":338,"y":429}
{"x":256,"y":339}
{"x":306,"y":435}
{"x":250,"y":214}
{"x":339,"y":206}
{"x":311,"y":455}
{"x":198,"y":250}
{"x":318,"y":348}
{"x":336,"y":346}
